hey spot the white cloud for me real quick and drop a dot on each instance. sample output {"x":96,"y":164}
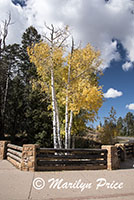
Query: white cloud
{"x":109,"y":53}
{"x":91,"y":21}
{"x":126,"y":66}
{"x":112,"y":93}
{"x":130,"y":106}
{"x":19,"y":21}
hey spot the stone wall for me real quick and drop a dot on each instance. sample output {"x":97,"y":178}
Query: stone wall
{"x":112,"y":157}
{"x":29,"y":153}
{"x":3,"y":147}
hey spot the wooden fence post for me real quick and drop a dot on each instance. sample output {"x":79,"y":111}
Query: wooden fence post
{"x":29,"y":154}
{"x":112,"y":157}
{"x":3,"y":149}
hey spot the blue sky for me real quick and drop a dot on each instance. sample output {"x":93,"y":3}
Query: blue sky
{"x":116,"y":77}
{"x":20,"y":2}
{"x":122,"y":80}
{"x":106,"y":25}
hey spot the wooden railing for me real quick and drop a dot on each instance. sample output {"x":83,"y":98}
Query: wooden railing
{"x":62,"y":159}
{"x":129,"y":149}
{"x":14,"y":154}
{"x":31,"y":157}
{"x":125,"y":151}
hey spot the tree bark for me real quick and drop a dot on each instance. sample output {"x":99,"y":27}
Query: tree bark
{"x":66,"y":123}
{"x":58,"y":126}
{"x":69,"y":129}
{"x":54,"y":110}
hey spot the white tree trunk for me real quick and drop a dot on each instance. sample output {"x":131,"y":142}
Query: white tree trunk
{"x":54,"y":110}
{"x":58,"y":127}
{"x":66,"y":123}
{"x":69,"y":128}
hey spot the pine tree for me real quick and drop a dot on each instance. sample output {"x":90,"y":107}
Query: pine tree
{"x":120,"y":126}
{"x":110,"y":129}
{"x":129,"y":124}
{"x":38,"y":118}
{"x":9,"y":61}
{"x":27,"y":119}
{"x":4,"y":73}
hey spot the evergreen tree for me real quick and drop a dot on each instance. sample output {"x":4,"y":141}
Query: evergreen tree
{"x":38,"y":118}
{"x":129,"y":124}
{"x":9,"y":62}
{"x":27,"y":119}
{"x":109,"y":131}
{"x":4,"y":73}
{"x":120,"y":126}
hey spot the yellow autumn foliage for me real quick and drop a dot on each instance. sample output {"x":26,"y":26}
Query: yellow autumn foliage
{"x":81,"y":91}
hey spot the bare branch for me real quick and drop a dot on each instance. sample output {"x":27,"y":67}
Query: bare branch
{"x":57,"y":36}
{"x":63,"y":41}
{"x":47,"y":38}
{"x":48,"y":27}
{"x":5,"y":30}
{"x":72,"y":48}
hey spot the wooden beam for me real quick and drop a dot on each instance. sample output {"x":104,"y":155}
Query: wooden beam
{"x":12,"y":146}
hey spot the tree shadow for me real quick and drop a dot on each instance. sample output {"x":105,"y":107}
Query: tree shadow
{"x":127,"y":164}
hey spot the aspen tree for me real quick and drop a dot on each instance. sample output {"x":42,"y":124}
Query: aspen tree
{"x":81,"y":91}
{"x":69,"y":80}
{"x":48,"y":57}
